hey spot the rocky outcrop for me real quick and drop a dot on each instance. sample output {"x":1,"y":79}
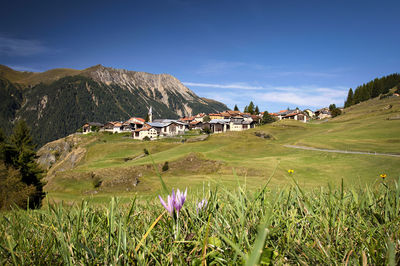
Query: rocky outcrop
{"x":62,"y":155}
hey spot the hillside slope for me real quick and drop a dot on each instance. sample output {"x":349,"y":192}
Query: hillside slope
{"x":57,"y":102}
{"x":123,"y":168}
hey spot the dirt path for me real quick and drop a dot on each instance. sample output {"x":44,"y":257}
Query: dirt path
{"x":340,"y":151}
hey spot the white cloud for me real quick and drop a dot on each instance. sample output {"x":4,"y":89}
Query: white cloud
{"x":24,"y":68}
{"x":20,"y":47}
{"x":239,"y":86}
{"x":215,"y":67}
{"x":305,"y":95}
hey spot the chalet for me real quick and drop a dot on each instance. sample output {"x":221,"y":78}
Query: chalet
{"x":133,"y":123}
{"x":309,"y":112}
{"x":109,"y":126}
{"x":199,"y":117}
{"x":219,"y":125}
{"x":237,"y":123}
{"x":168,"y":127}
{"x":145,"y":131}
{"x":296,"y":116}
{"x":196,"y":125}
{"x":323,"y":113}
{"x":92,"y":127}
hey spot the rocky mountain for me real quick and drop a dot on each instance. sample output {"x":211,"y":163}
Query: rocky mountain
{"x":57,"y":102}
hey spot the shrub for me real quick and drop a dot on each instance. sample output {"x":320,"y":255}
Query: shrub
{"x":165,"y":167}
{"x":96,"y":181}
{"x":146,"y":138}
{"x":146,"y":152}
{"x":14,"y":192}
{"x":207,"y":131}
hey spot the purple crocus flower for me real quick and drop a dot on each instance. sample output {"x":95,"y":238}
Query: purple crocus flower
{"x":201,"y":205}
{"x":179,"y":200}
{"x":169,"y":206}
{"x":174,"y":201}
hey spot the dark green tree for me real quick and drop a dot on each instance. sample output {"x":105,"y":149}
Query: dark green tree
{"x":250,"y":109}
{"x":20,"y":152}
{"x":267,"y":118}
{"x":235,"y":108}
{"x":335,"y":112}
{"x":332,"y":107}
{"x":257,"y":110}
{"x":246,"y":109}
{"x":349,"y":100}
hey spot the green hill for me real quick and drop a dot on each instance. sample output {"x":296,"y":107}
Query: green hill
{"x":119,"y":166}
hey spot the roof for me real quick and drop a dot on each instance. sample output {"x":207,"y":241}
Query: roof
{"x":291,"y":114}
{"x":219,"y":121}
{"x":234,"y":112}
{"x":131,"y":120}
{"x":195,"y":122}
{"x":187,"y":118}
{"x":158,"y":124}
{"x":144,"y":128}
{"x":96,"y":124}
{"x":215,"y":114}
{"x":225,"y":114}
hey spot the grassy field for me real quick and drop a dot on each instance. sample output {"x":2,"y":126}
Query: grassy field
{"x":117,"y":161}
{"x":349,"y":226}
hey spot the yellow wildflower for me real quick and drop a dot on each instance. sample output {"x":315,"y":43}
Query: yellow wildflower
{"x":383,"y":176}
{"x":290,"y":171}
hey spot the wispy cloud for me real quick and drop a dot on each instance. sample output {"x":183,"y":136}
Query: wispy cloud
{"x":223,"y":67}
{"x":305,"y":95}
{"x":239,"y":86}
{"x":313,"y":74}
{"x":24,"y":68}
{"x":20,"y":47}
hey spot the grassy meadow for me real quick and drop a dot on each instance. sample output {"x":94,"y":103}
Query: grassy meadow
{"x":117,"y":159}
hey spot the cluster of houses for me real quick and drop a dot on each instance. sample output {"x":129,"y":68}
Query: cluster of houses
{"x":212,"y":123}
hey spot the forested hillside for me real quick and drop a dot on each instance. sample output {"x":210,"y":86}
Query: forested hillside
{"x":372,"y":89}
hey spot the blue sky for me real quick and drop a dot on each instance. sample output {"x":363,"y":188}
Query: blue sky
{"x":278,"y":54}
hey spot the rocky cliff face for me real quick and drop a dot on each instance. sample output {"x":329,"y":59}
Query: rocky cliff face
{"x":155,"y":86}
{"x":56,"y":107}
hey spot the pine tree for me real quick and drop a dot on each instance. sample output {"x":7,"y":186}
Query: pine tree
{"x":349,"y":101}
{"x":246,"y":109}
{"x":251,"y":108}
{"x":235,"y":108}
{"x":21,"y":154}
{"x":257,"y":110}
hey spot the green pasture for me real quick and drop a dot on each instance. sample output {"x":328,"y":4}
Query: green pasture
{"x":364,"y":127}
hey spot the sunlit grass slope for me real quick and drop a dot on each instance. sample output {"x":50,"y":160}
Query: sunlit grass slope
{"x":118,"y":160}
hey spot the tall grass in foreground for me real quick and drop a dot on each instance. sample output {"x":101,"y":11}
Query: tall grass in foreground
{"x":291,"y":226}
